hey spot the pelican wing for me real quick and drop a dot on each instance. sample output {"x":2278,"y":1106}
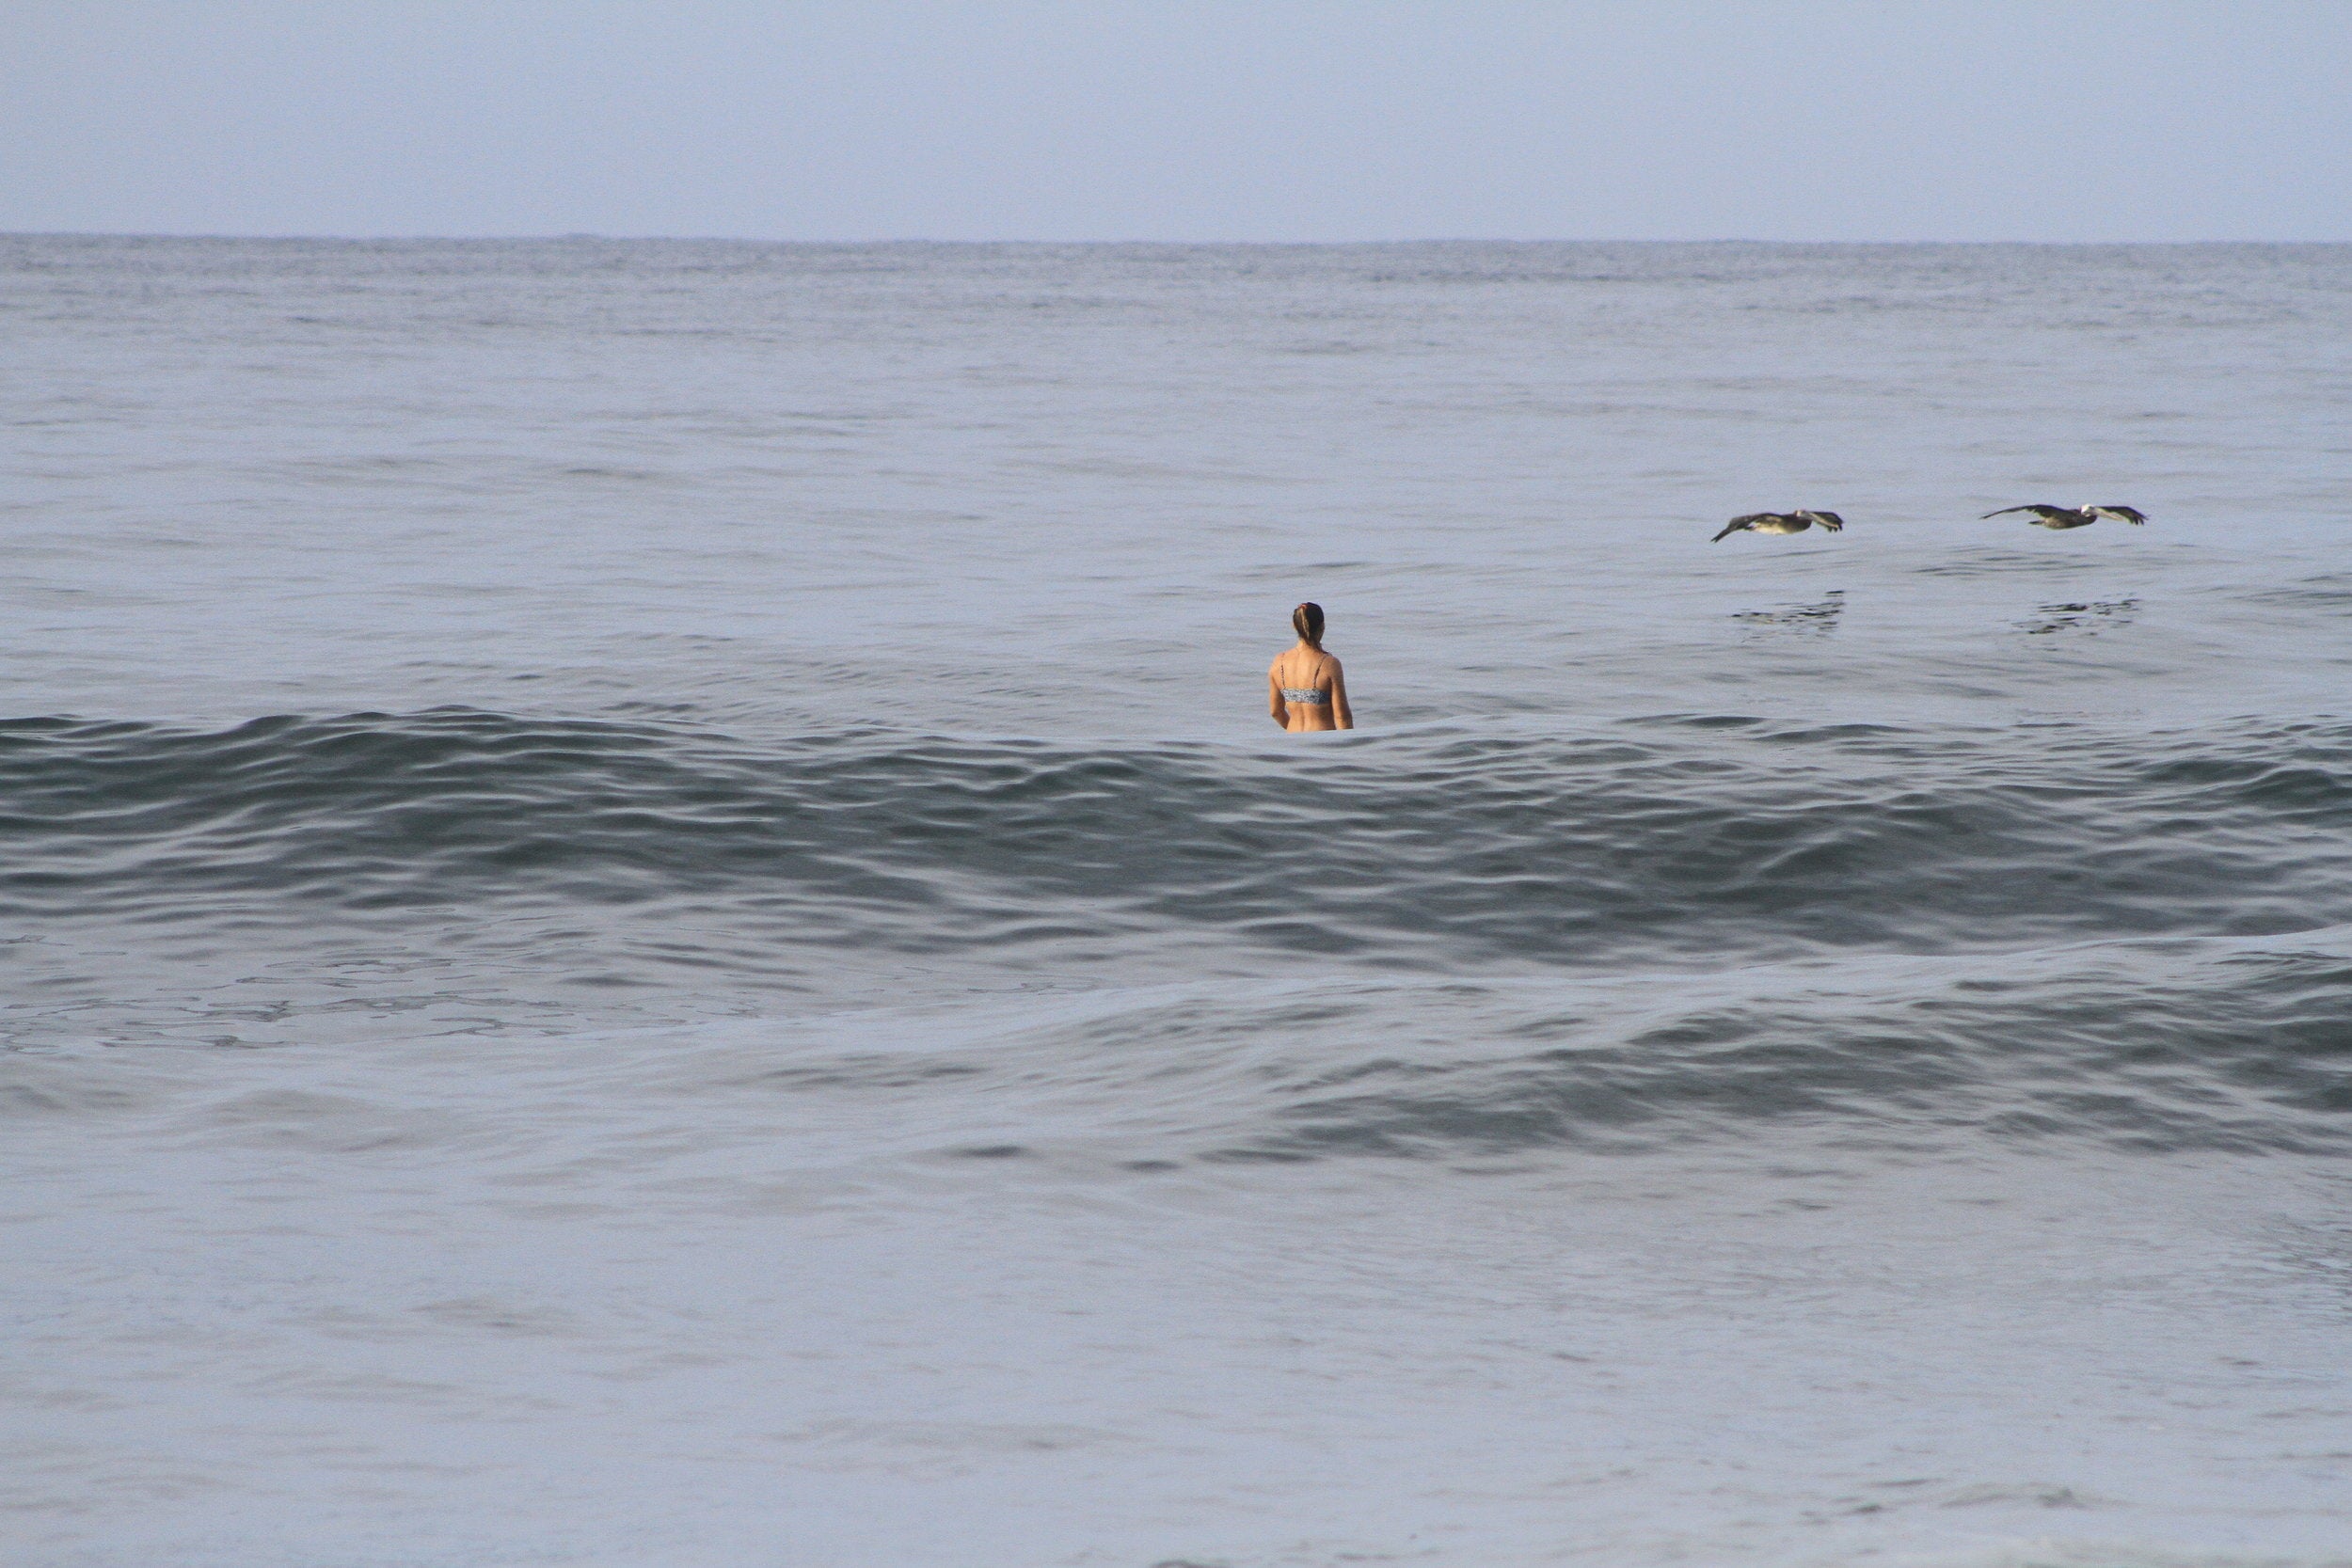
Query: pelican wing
{"x":2039,"y":509}
{"x":2121,"y":513}
{"x":1738,"y":523}
{"x":1830,"y":521}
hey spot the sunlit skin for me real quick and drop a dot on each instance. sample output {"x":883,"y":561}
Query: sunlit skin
{"x":1300,"y":667}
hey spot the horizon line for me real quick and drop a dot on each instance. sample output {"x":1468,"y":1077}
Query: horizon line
{"x":598,"y":237}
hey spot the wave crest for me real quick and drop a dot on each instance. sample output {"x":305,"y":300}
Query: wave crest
{"x":1664,"y":842}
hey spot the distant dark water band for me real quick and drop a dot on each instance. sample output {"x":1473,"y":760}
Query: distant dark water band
{"x":1704,"y":838}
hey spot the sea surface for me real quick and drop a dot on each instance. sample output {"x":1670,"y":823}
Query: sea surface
{"x":649,"y":918}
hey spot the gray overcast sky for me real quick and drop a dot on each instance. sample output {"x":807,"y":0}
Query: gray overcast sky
{"x":1188,"y":119}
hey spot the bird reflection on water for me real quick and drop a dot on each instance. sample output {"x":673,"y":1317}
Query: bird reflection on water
{"x":2084,"y":618}
{"x":1819,"y":617}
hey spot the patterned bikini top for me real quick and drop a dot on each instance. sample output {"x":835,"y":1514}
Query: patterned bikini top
{"x":1305,"y":694}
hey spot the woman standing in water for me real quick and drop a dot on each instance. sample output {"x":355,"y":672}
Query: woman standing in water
{"x":1305,"y":684}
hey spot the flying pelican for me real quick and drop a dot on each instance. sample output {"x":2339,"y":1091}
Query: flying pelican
{"x":2079,"y":517}
{"x":1780,"y":522}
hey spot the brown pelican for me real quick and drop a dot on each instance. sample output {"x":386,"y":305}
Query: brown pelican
{"x":1780,"y":522}
{"x":2077,"y":516}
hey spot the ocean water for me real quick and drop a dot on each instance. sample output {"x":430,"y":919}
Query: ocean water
{"x":649,"y":915}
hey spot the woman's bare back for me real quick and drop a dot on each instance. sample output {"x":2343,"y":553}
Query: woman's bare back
{"x":1307,"y":690}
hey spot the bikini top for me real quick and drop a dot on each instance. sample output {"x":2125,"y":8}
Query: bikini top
{"x":1304,"y":694}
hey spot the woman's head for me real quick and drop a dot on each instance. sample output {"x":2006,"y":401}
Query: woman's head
{"x":1307,"y":620}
